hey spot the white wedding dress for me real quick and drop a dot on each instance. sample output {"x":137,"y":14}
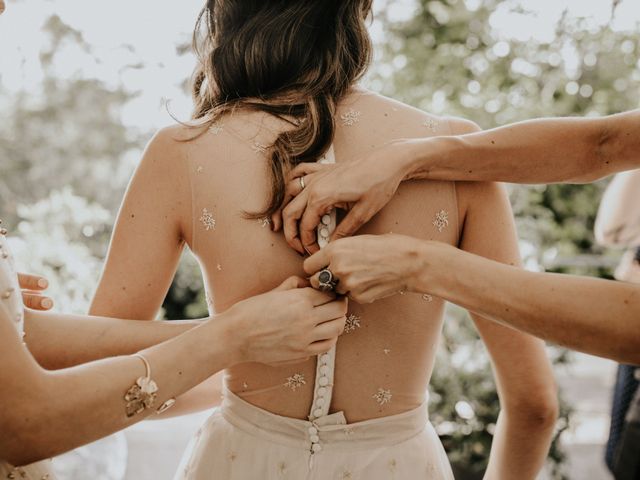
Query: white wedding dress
{"x":12,"y":309}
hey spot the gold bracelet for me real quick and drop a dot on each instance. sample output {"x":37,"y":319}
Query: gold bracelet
{"x":143,"y":393}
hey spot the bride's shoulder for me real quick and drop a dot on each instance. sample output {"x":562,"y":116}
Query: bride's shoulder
{"x":169,"y":147}
{"x":178,"y":136}
{"x":403,"y":115}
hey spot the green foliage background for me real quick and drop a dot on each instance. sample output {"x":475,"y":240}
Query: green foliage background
{"x":66,"y":158}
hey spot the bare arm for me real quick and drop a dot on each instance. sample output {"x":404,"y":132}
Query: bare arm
{"x":600,"y":317}
{"x":60,"y":341}
{"x":148,"y":238}
{"x":547,"y":150}
{"x":44,"y":413}
{"x":618,"y":222}
{"x":523,"y":373}
{"x":536,"y":151}
{"x":150,"y":232}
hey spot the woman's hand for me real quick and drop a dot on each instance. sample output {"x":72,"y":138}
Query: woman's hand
{"x":371,"y":267}
{"x":292,"y":322}
{"x":32,"y":287}
{"x":362,"y":187}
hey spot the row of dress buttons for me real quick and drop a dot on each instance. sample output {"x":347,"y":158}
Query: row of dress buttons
{"x":320,"y":401}
{"x":324,"y":230}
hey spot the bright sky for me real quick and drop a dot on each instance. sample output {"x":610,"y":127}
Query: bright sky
{"x":153,"y":28}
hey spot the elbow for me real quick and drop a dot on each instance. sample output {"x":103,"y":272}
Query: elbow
{"x":537,"y":411}
{"x":23,"y":458}
{"x":28,"y":426}
{"x":20,"y":446}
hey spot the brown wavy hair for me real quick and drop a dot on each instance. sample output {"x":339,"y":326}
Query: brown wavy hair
{"x":294,"y":59}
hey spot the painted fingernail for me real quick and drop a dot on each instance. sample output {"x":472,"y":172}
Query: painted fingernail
{"x":42,"y":283}
{"x":47,"y":303}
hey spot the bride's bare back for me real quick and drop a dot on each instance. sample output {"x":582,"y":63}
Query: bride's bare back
{"x":196,"y":192}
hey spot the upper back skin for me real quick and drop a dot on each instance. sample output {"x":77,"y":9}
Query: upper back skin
{"x":388,"y":346}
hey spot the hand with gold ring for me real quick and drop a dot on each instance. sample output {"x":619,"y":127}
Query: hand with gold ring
{"x":296,"y":182}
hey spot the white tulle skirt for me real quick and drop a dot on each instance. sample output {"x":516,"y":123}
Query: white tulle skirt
{"x":243,"y":442}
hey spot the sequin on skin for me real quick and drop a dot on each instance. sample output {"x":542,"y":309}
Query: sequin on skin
{"x":427,"y":298}
{"x":295,"y":381}
{"x":207,"y":220}
{"x":382,"y":396}
{"x":442,"y":220}
{"x":200,"y":169}
{"x":353,"y":322}
{"x":351,"y":117}
{"x":386,"y":351}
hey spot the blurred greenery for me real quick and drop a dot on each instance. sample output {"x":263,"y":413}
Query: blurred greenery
{"x":66,"y":159}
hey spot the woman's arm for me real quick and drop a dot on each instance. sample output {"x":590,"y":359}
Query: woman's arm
{"x":60,"y":341}
{"x":149,"y":235}
{"x":45,"y":413}
{"x":537,"y":151}
{"x":548,"y":150}
{"x":591,"y":315}
{"x":151,"y":230}
{"x":618,"y":221}
{"x":526,"y":387}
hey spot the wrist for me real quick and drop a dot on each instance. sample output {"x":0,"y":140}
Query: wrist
{"x":420,"y":156}
{"x":412,"y":158}
{"x":430,"y":276}
{"x":230,"y":333}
